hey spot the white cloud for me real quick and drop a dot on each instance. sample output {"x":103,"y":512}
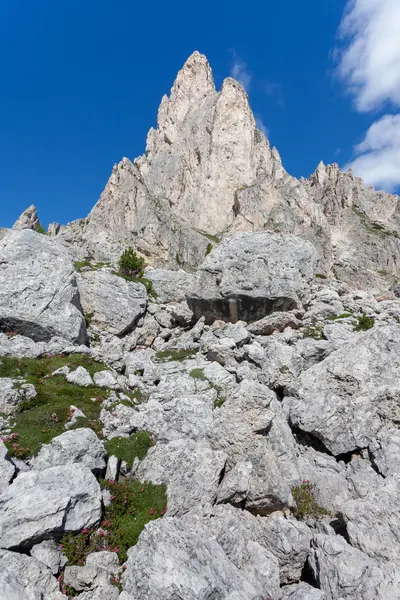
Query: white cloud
{"x":261,"y":126}
{"x":378,"y":162}
{"x":240,"y":72}
{"x":370,"y":61}
{"x":370,"y":66}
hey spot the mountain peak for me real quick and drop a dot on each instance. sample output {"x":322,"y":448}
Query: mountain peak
{"x":28,"y":219}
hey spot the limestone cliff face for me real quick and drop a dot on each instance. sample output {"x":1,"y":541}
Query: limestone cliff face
{"x":208,"y":170}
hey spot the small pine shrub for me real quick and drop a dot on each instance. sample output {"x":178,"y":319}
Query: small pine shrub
{"x":131,"y":264}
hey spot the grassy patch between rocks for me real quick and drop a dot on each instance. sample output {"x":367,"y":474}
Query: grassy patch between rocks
{"x":39,"y":420}
{"x":175,"y":355}
{"x":218,"y":402}
{"x":307,"y":505}
{"x":364,"y":323}
{"x":133,"y":505}
{"x":337,"y":317}
{"x":314,"y":332}
{"x":127,"y":449}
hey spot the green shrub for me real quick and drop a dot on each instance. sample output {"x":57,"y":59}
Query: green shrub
{"x":321,"y":276}
{"x":306,"y":504}
{"x":131,"y":264}
{"x":133,"y":505}
{"x":364,"y":323}
{"x":40,"y":229}
{"x":218,"y":402}
{"x":127,"y":449}
{"x":209,"y":248}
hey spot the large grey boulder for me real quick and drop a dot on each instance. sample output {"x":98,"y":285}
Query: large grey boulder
{"x":38,"y":293}
{"x":39,"y":504}
{"x":250,"y":275}
{"x":78,"y":446}
{"x":174,"y":558}
{"x":349,"y":397}
{"x":113,"y":303}
{"x":344,"y":572}
{"x":13,"y":392}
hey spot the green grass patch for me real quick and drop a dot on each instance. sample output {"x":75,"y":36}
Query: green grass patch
{"x":337,"y":317}
{"x":127,"y":449}
{"x":175,"y":355}
{"x":198,"y":374}
{"x":40,"y":229}
{"x":41,"y":419}
{"x":133,"y":505}
{"x":92,"y":265}
{"x":306,"y":504}
{"x":321,"y":276}
{"x":364,"y":323}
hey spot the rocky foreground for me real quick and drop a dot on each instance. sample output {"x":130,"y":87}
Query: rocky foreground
{"x":227,"y":431}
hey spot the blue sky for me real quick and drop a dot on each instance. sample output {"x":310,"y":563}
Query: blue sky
{"x":81,"y":82}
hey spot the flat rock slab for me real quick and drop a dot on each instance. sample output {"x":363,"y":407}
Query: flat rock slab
{"x":38,"y":293}
{"x":249,"y":275}
{"x":114,"y":304}
{"x":39,"y":504}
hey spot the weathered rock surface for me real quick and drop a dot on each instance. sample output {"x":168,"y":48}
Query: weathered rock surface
{"x":79,"y":446}
{"x":39,"y":504}
{"x":25,"y":578}
{"x":114,"y":304}
{"x":250,"y":275}
{"x":348,"y":398}
{"x":7,"y":468}
{"x":346,"y":573}
{"x":200,"y":565}
{"x":38,"y":293}
{"x":49,"y":554}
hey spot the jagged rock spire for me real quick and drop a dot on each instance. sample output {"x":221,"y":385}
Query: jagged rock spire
{"x":28,"y":220}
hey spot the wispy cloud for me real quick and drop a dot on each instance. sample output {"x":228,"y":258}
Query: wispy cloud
{"x":370,"y":61}
{"x":369,"y":65}
{"x":261,"y":126}
{"x":378,"y":160}
{"x":240,"y":72}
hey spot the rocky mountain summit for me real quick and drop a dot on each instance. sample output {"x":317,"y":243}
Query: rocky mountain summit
{"x":215,"y":413}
